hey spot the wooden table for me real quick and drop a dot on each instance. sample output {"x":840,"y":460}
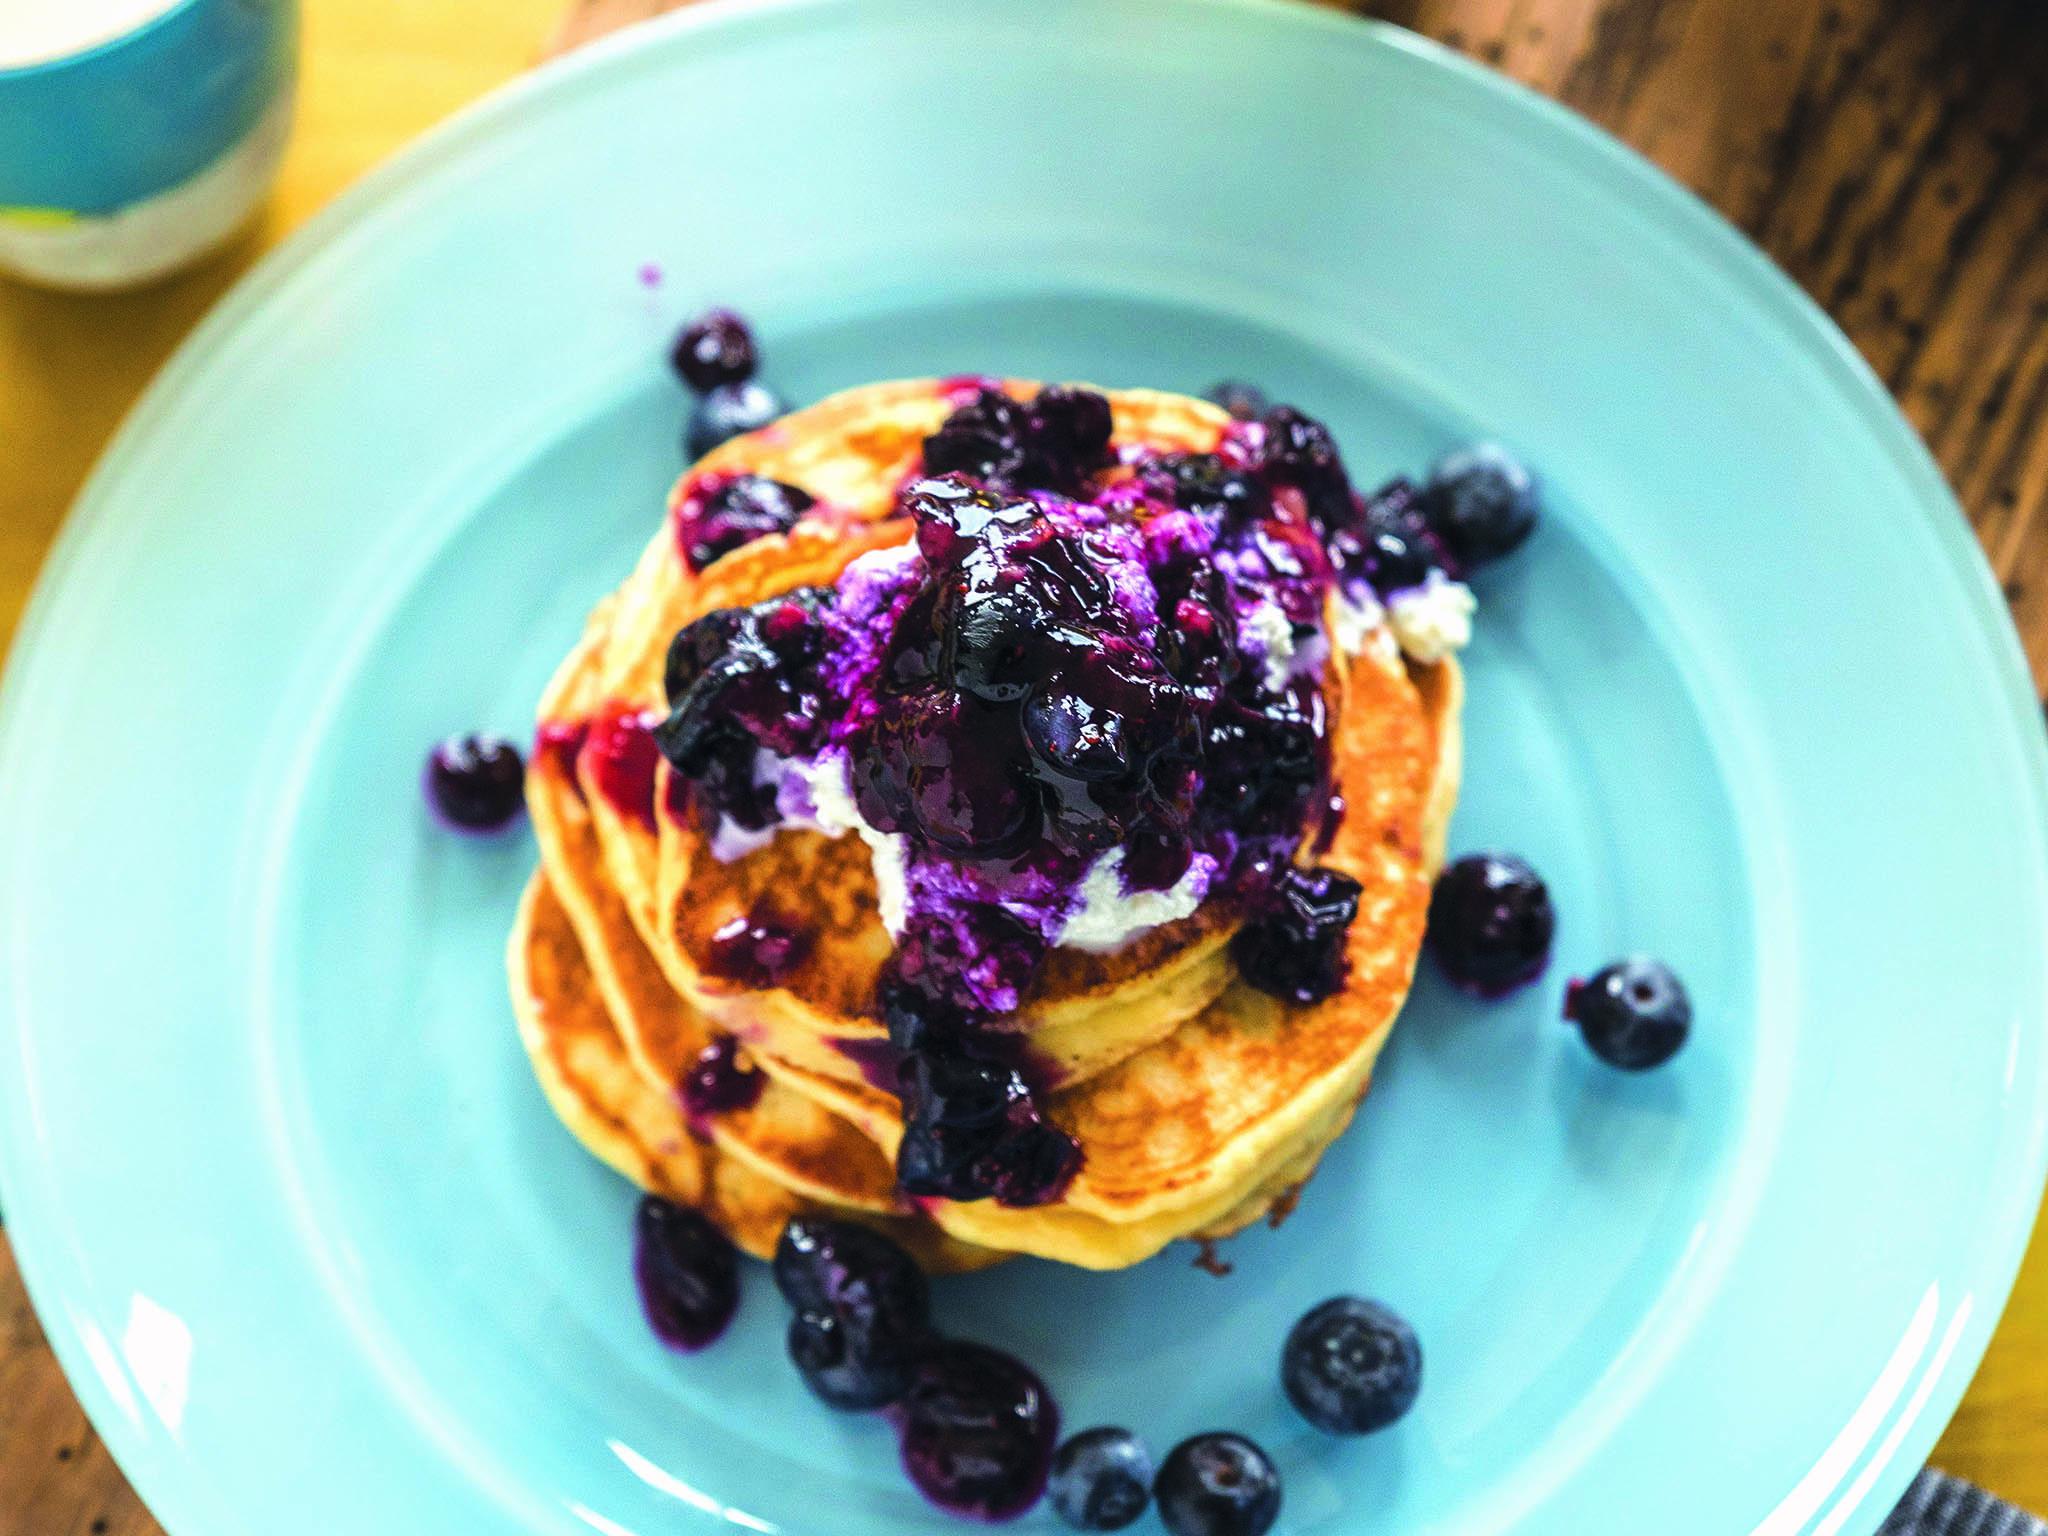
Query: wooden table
{"x":1892,"y":155}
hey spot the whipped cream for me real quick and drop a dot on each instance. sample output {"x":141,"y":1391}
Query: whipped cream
{"x":1434,"y":619}
{"x":1265,"y":630}
{"x":1106,"y":917}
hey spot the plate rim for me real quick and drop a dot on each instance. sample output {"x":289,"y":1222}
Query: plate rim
{"x":178,"y":1503}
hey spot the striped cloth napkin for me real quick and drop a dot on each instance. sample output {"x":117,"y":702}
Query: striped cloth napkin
{"x":1940,"y":1505}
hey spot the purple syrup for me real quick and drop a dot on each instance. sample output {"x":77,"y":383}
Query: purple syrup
{"x":716,"y":1084}
{"x":880,"y":1063}
{"x":756,"y":949}
{"x":650,"y":274}
{"x":621,"y":757}
{"x":977,"y":1430}
{"x":687,"y":1271}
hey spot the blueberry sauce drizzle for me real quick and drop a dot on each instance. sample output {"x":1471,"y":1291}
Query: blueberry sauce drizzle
{"x":717,"y":1084}
{"x":1076,"y":664}
{"x":619,"y":754}
{"x":756,"y":949}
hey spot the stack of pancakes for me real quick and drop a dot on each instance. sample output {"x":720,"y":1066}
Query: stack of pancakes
{"x":1198,"y":1103}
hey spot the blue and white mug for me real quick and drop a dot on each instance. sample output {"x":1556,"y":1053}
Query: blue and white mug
{"x":136,"y":135}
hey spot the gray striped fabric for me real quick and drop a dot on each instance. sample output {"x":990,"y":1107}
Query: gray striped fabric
{"x":1940,"y":1505}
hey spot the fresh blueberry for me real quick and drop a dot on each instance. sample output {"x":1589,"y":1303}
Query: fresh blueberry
{"x":715,"y":348}
{"x":1490,"y":923}
{"x":1072,"y":428}
{"x":1246,"y":402}
{"x":1351,"y":1366}
{"x":1217,"y":1484}
{"x":978,"y":1430}
{"x":863,"y":1310}
{"x":727,"y":411}
{"x":1633,"y":1013}
{"x":687,"y":1271}
{"x":1101,"y":1479}
{"x":1295,"y":950}
{"x":1481,"y":501}
{"x":476,"y":782}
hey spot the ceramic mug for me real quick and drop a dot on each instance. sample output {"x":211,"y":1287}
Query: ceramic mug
{"x":136,"y":135}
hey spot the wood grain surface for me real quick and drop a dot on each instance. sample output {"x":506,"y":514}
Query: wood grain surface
{"x":1892,"y":155}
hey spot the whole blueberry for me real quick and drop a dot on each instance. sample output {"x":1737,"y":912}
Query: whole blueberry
{"x":1351,"y":1366}
{"x":977,"y":1431}
{"x":476,"y":782}
{"x":1295,"y":949}
{"x":727,"y":411}
{"x":1633,"y":1013}
{"x":1245,"y":402}
{"x":715,"y":348}
{"x":1481,"y":501}
{"x":687,"y":1271}
{"x":1490,"y":923}
{"x":863,"y":1310}
{"x":1217,"y":1484}
{"x":1101,"y":1479}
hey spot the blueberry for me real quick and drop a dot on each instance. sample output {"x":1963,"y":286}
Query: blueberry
{"x":1351,"y":1366}
{"x":822,"y":1262}
{"x":1217,"y":1484}
{"x":1298,"y":450}
{"x":974,"y":1131}
{"x":1245,"y":402}
{"x":1072,"y":428}
{"x":1481,"y":501}
{"x":1295,"y":950}
{"x":1203,"y":483}
{"x":978,"y":1431}
{"x":1633,"y":1013}
{"x":992,"y":645}
{"x":687,"y":1271}
{"x":1393,"y":562}
{"x":1101,"y":1479}
{"x":863,"y":1310}
{"x":720,"y":517}
{"x":1490,"y":923}
{"x":727,"y":411}
{"x":715,"y":348}
{"x":476,"y":782}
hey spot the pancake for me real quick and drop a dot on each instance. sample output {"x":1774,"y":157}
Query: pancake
{"x":1199,"y":1104}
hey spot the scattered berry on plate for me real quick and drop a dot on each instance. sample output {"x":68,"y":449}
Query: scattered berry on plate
{"x":1634,"y":1013}
{"x":687,"y":1271}
{"x":1351,"y":1366}
{"x":863,"y":1310}
{"x":715,"y":348}
{"x":476,"y":782}
{"x":1101,"y":1479}
{"x":727,"y":411}
{"x":1245,"y":402}
{"x":1490,"y":923}
{"x":977,"y":1431}
{"x":1481,"y":501}
{"x":1217,"y":1484}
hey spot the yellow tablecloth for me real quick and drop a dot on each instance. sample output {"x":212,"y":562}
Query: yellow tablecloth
{"x":375,"y":73}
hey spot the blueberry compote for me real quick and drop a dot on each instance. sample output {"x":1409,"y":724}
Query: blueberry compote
{"x":1088,"y":682}
{"x":687,"y":1271}
{"x":719,"y":513}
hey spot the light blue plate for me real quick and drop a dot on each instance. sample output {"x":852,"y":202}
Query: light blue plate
{"x":313,"y":1249}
